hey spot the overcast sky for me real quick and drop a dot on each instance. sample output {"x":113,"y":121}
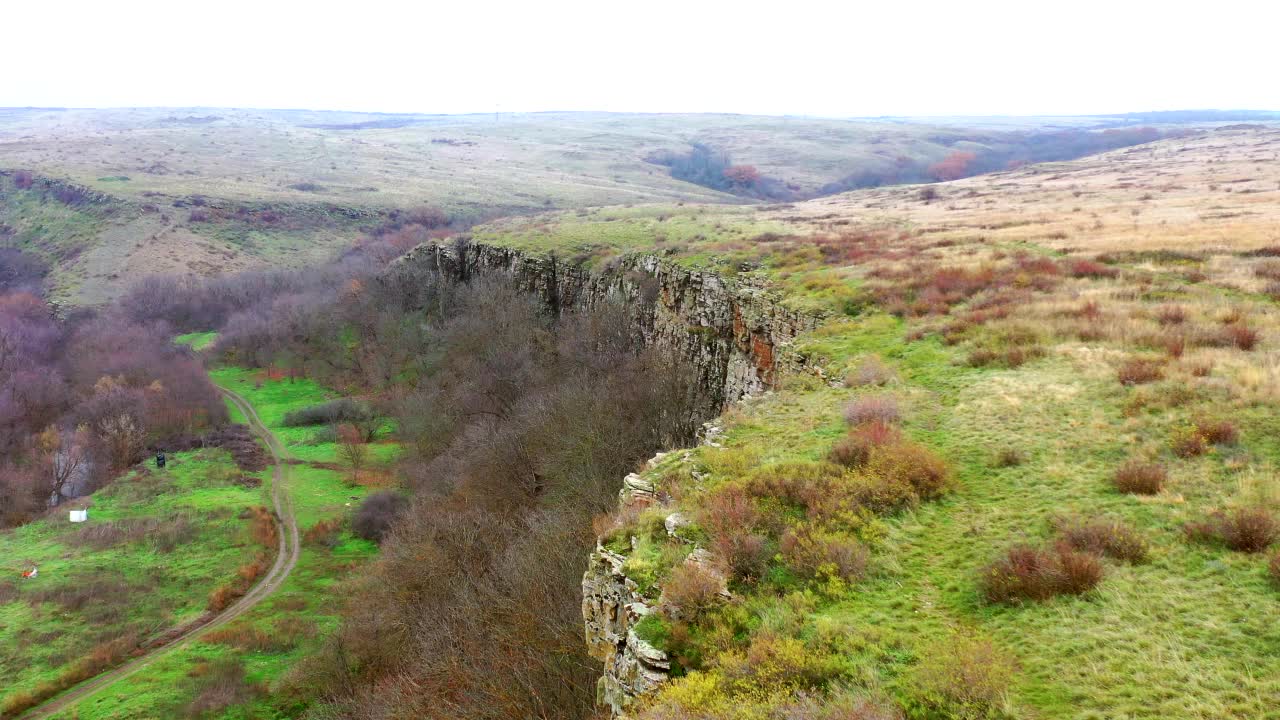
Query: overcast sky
{"x":841,"y":57}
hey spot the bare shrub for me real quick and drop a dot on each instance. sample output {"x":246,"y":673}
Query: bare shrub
{"x":1028,"y":573}
{"x":1111,"y":538}
{"x":1136,"y":371}
{"x":872,"y":408}
{"x":219,"y":685}
{"x":1140,"y":477}
{"x":377,"y":514}
{"x":911,"y":464}
{"x":691,"y":589}
{"x":1243,"y":529}
{"x":871,"y":371}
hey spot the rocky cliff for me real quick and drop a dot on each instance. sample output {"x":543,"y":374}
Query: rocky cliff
{"x":735,"y":335}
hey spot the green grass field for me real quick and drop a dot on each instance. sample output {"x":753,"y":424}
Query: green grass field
{"x":102,"y":580}
{"x":274,"y":635}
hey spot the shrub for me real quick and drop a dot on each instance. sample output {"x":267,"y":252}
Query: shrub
{"x":1241,"y":336}
{"x":1248,"y":529}
{"x":1217,"y":432}
{"x":963,"y":677}
{"x":1187,"y":442}
{"x":1171,"y":315}
{"x":1083,"y":267}
{"x":1135,"y":371}
{"x":1245,"y":529}
{"x":342,"y":410}
{"x":1140,"y":478}
{"x":854,"y":449}
{"x":841,"y":705}
{"x":872,"y":371}
{"x":910,"y":464}
{"x":872,"y":408}
{"x":731,"y":517}
{"x":691,"y":589}
{"x":218,"y":686}
{"x":1029,"y":573}
{"x":377,"y":513}
{"x":814,"y":554}
{"x":1008,"y":457}
{"x":324,"y":533}
{"x":1273,"y":567}
{"x":1105,"y":537}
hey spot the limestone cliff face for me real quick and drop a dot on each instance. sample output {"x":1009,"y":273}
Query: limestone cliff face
{"x":735,"y":336}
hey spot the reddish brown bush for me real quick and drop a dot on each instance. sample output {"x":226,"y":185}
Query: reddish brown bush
{"x":23,"y":179}
{"x":1248,"y":529}
{"x":324,"y":533}
{"x":1080,"y":572}
{"x":1273,"y":567}
{"x":872,"y":408}
{"x":1111,"y":538}
{"x":1245,"y":529}
{"x":1171,"y":315}
{"x":1029,"y":573}
{"x":691,"y":589}
{"x":1140,"y":478}
{"x":1136,"y":371}
{"x":730,"y":517}
{"x":1083,"y":267}
{"x":1217,"y":432}
{"x":854,"y":449}
{"x":1241,"y":336}
{"x":742,"y":175}
{"x":872,"y":371}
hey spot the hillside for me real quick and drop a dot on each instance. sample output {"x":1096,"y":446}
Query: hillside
{"x":207,"y":190}
{"x":1024,"y":468}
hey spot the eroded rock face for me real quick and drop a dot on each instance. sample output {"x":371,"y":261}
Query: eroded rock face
{"x":611,"y":606}
{"x":735,"y":336}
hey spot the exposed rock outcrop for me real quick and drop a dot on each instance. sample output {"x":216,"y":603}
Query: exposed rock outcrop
{"x":734,"y":334}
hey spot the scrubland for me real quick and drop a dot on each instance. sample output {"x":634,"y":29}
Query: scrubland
{"x":1026,"y":468}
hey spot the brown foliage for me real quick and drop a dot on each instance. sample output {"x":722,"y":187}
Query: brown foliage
{"x":872,"y":408}
{"x":1244,"y":529}
{"x":1029,"y":573}
{"x":1140,"y":478}
{"x":691,"y":589}
{"x":1111,"y":538}
{"x":1136,"y":371}
{"x":813,"y":554}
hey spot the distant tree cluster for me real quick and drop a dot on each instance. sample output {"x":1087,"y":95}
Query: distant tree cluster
{"x":709,"y":167}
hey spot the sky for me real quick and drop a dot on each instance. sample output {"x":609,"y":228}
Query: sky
{"x":797,"y":57}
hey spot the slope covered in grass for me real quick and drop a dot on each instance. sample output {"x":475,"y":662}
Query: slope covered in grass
{"x":1038,"y":332}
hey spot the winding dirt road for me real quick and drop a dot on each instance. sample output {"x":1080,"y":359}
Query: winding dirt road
{"x":286,"y":559}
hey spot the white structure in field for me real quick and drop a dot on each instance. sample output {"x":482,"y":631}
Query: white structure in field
{"x":79,"y":515}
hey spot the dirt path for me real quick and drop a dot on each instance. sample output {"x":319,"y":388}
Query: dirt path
{"x":286,"y":559}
